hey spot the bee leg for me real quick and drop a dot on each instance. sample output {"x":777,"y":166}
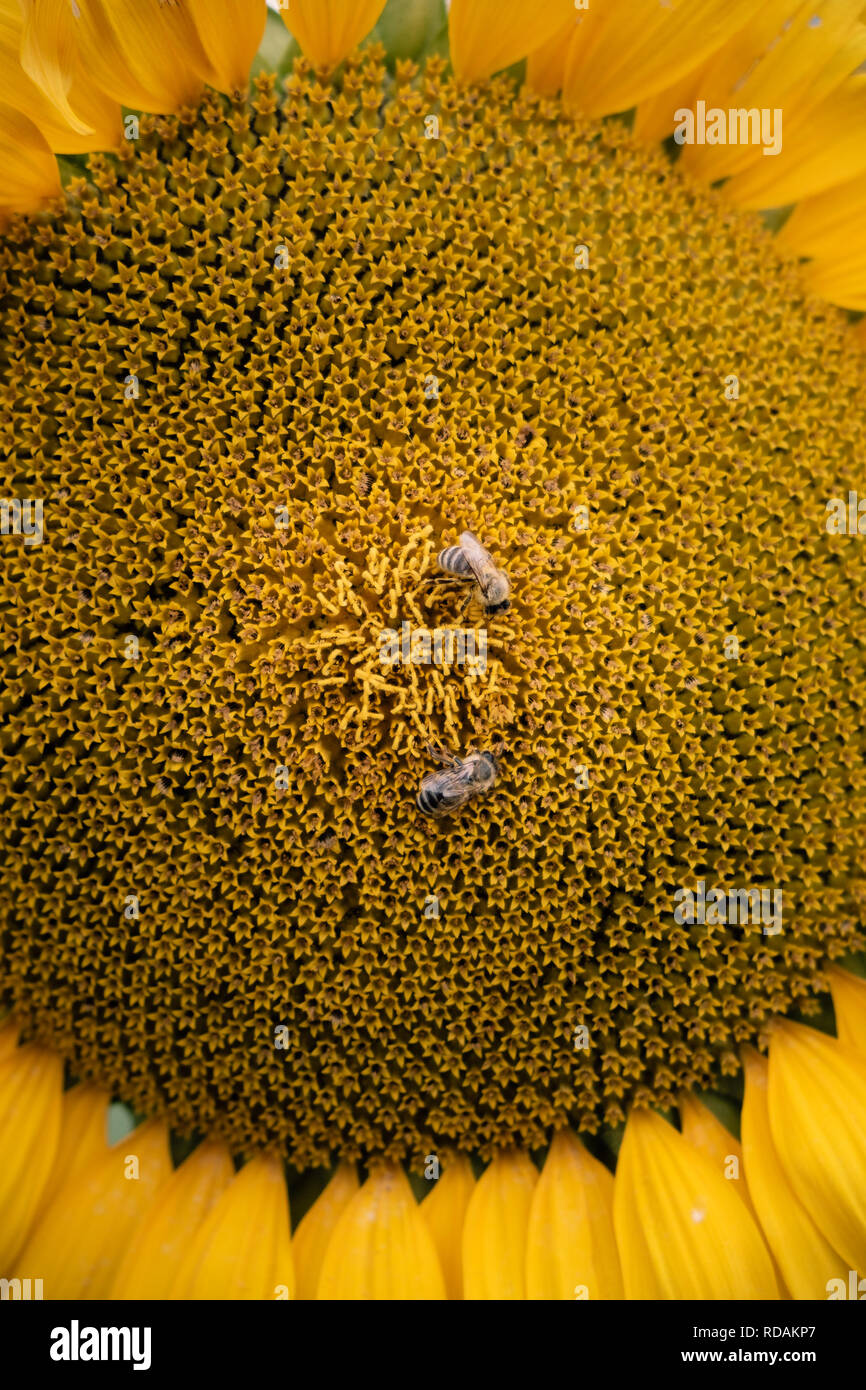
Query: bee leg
{"x":442,"y":756}
{"x":466,"y":604}
{"x":448,"y":581}
{"x":475,"y":609}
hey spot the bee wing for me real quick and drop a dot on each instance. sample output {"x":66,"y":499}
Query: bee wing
{"x":453,"y":790}
{"x":480,"y":559}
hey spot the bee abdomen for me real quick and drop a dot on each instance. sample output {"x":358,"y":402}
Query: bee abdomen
{"x":428,"y":799}
{"x":453,"y":561}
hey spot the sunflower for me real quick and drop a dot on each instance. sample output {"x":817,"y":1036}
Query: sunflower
{"x":291,"y":301}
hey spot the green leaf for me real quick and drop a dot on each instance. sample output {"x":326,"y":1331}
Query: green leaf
{"x":121,"y":1121}
{"x":775,"y":218}
{"x":277,"y":50}
{"x":410,"y":28}
{"x":611,"y":1139}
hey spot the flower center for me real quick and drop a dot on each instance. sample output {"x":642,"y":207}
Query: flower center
{"x":263,"y":366}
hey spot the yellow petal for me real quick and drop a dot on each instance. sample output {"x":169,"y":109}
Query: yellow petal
{"x":793,"y":59}
{"x":705,"y":1132}
{"x":31,"y":1086}
{"x":826,"y":224}
{"x":48,"y":53}
{"x":29,"y":176}
{"x":627,"y":50}
{"x":817,"y":1094}
{"x":545,"y":67}
{"x":825,"y":149}
{"x":230,"y":34}
{"x":83,"y":1136}
{"x":841,"y":282}
{"x":316,"y":1228}
{"x":9,"y":1031}
{"x":444,"y":1210}
{"x":381,"y":1247}
{"x":97,"y":124}
{"x":494,"y":1232}
{"x":849,"y":1001}
{"x":654,"y":118}
{"x":82,"y":1235}
{"x":571,"y":1250}
{"x":488,"y":35}
{"x":153,"y":1258}
{"x":143,"y":53}
{"x":776,"y":59}
{"x":243,"y":1248}
{"x":681,"y":1230}
{"x":805,"y":1259}
{"x":328,"y":30}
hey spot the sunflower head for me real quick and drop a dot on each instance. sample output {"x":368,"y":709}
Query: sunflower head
{"x":274,"y":349}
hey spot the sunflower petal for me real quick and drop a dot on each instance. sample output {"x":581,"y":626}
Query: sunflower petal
{"x":81,"y":1236}
{"x":152,"y":1261}
{"x":702,"y":1129}
{"x":444,"y":1210}
{"x":494,"y":1233}
{"x":9,"y":1030}
{"x":242,"y":1250}
{"x":143,"y":53}
{"x":328,"y":30}
{"x":97,"y":124}
{"x":488,"y":35}
{"x":825,"y":149}
{"x":681,"y":1230}
{"x":841,"y":281}
{"x":627,"y":50}
{"x":849,"y":1001}
{"x":48,"y":53}
{"x":381,"y":1247}
{"x":31,"y":1086}
{"x":545,"y":66}
{"x":829,"y":223}
{"x":805,"y":1259}
{"x":316,"y":1228}
{"x":82,"y":1141}
{"x":230,"y":35}
{"x":570,"y":1244}
{"x":775,"y":59}
{"x":817,"y":1097}
{"x":654,"y":118}
{"x":30,"y":175}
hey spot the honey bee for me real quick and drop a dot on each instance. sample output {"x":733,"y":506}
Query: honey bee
{"x":469,"y":560}
{"x":442,"y":793}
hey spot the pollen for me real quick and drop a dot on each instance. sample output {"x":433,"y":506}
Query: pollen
{"x":260,"y":367}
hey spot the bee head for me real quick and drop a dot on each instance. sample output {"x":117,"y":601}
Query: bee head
{"x":502,"y":607}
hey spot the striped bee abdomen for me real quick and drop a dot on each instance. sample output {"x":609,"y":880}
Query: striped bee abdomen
{"x":440,"y":793}
{"x":429,"y":799}
{"x":453,"y":561}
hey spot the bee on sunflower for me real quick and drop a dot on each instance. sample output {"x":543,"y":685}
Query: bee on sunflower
{"x":291,"y":301}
